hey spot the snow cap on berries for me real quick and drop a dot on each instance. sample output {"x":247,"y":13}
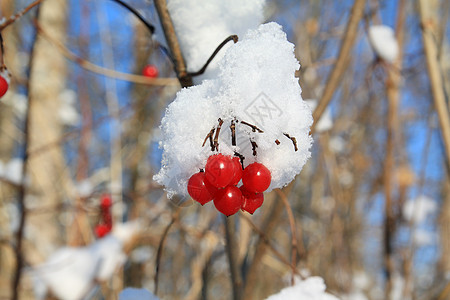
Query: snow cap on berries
{"x":256,"y":85}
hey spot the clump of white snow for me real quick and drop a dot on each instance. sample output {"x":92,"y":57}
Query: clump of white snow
{"x":418,"y":209}
{"x":312,"y":288}
{"x":68,"y":113}
{"x":382,"y":39}
{"x":134,"y":294}
{"x":202,"y":25}
{"x":71,"y":272}
{"x":256,"y":84}
{"x":12,"y":171}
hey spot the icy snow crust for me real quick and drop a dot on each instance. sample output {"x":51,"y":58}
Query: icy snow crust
{"x":256,"y":84}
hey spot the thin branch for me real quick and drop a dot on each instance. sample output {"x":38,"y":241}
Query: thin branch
{"x":293,"y":232}
{"x":23,"y":186}
{"x":267,"y":242}
{"x":231,"y":249}
{"x":233,"y":38}
{"x":335,"y":76}
{"x":437,"y":88}
{"x":20,"y":14}
{"x":172,"y":42}
{"x":104,"y":71}
{"x":161,"y":247}
{"x":149,"y":26}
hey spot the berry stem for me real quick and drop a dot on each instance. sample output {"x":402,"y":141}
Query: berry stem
{"x":233,"y":133}
{"x":253,"y":127}
{"x":209,"y":136}
{"x":216,"y":137}
{"x":254,"y":146}
{"x":293,"y":139}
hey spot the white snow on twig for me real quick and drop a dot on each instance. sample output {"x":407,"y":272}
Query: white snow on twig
{"x":382,"y":39}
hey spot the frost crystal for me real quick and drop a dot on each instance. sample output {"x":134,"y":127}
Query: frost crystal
{"x":256,"y":85}
{"x":382,"y":39}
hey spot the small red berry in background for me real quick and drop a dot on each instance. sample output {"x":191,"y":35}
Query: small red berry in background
{"x":3,"y":86}
{"x":229,"y":200}
{"x":105,"y":224}
{"x":252,"y":201}
{"x":101,"y":230}
{"x":256,"y":178}
{"x":150,"y":71}
{"x":219,"y":170}
{"x":105,"y":201}
{"x":200,"y":189}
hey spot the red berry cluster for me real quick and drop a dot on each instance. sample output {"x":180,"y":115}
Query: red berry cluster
{"x":3,"y":86}
{"x":105,"y":224}
{"x":219,"y":183}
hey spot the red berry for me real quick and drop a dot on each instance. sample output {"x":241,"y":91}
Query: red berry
{"x":150,"y":71}
{"x":229,"y":200}
{"x":3,"y":86}
{"x":237,"y":171}
{"x":219,"y":170}
{"x":105,"y":201}
{"x":200,"y":189}
{"x":101,"y":230}
{"x":256,"y":178}
{"x":252,"y":201}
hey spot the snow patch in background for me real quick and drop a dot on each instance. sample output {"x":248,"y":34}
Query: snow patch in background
{"x":202,"y":25}
{"x":312,"y":288}
{"x":382,"y":39}
{"x":71,"y":272}
{"x":256,"y":84}
{"x":418,"y":209}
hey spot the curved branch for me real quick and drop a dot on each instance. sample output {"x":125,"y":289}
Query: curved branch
{"x":149,"y":26}
{"x":233,"y":38}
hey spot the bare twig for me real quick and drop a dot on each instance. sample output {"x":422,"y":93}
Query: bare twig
{"x":161,"y":247}
{"x":149,"y":26}
{"x":335,"y":76}
{"x":233,"y":38}
{"x":23,"y":187}
{"x":293,"y":232}
{"x":437,"y":87}
{"x":393,"y":95}
{"x":172,"y":42}
{"x":231,"y":248}
{"x":104,"y":71}
{"x":20,"y":14}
